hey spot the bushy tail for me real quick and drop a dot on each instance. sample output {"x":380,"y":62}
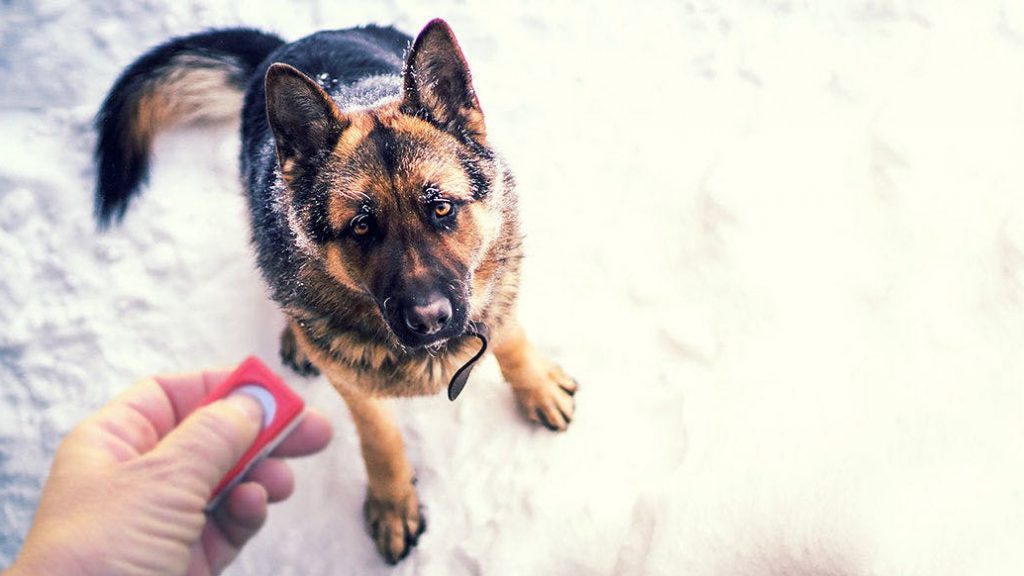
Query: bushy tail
{"x":197,"y":77}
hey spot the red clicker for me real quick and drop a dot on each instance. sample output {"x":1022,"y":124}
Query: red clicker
{"x":282,"y":412}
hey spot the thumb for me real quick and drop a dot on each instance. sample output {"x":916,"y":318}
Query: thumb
{"x":211,"y":440}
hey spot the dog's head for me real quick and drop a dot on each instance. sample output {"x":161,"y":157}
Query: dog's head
{"x":395,"y":201}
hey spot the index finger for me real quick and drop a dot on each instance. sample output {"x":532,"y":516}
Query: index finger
{"x":167,"y":400}
{"x":138,"y":418}
{"x":186,"y":391}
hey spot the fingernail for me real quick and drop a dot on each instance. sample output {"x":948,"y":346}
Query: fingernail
{"x":246,"y":405}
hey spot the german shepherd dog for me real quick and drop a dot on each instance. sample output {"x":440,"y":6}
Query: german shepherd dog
{"x":385,"y":225}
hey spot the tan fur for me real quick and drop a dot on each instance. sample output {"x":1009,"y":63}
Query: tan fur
{"x":544,"y":391}
{"x":353,"y":188}
{"x":373,"y":369}
{"x":336,"y":265}
{"x":194,"y":89}
{"x":392,"y":508}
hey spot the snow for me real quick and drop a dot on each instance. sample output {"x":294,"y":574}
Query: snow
{"x":780,"y":244}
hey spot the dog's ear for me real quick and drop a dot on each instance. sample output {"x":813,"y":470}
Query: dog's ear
{"x":305,"y":121}
{"x":438,"y":86}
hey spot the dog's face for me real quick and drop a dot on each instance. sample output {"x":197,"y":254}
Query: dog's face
{"x":393,"y":201}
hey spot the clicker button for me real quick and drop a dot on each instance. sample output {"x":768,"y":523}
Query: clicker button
{"x":263,"y":396}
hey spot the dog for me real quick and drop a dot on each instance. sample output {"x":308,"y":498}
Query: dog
{"x":384,"y":224}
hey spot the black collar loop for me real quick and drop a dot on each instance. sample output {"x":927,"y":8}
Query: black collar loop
{"x":462,"y":374}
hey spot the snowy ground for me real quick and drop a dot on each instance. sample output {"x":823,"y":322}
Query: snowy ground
{"x":781,"y":247}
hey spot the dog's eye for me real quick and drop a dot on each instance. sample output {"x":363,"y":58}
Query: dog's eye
{"x":361,"y":225}
{"x":443,"y":209}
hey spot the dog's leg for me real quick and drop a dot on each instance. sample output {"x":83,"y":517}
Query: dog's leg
{"x":292,"y":355}
{"x":392,"y":510}
{"x":544,"y":391}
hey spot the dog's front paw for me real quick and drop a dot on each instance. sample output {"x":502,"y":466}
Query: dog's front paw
{"x":293,"y":357}
{"x":395,"y":524}
{"x":546,"y":395}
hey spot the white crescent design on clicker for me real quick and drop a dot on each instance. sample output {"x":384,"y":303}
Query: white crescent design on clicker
{"x":263,"y":396}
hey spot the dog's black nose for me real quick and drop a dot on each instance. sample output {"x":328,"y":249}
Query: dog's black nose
{"x":430,"y":316}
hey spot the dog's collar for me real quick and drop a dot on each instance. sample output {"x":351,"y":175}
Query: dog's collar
{"x":462,"y":374}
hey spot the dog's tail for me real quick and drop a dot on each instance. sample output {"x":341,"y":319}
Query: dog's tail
{"x":197,"y":77}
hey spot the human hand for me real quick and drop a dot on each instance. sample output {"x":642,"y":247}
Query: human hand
{"x":128,"y":485}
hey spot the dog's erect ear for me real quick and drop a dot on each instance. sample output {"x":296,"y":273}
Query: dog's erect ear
{"x":305,"y":121}
{"x":438,"y":86}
